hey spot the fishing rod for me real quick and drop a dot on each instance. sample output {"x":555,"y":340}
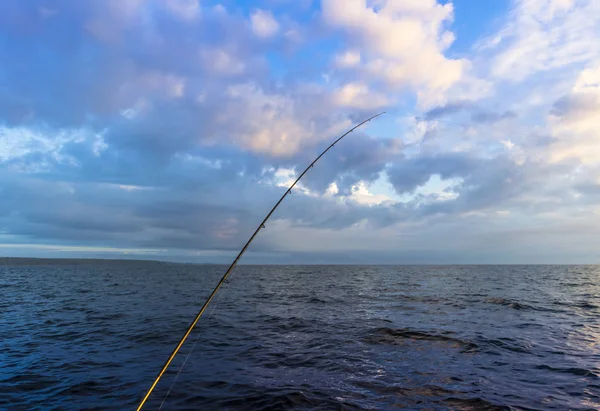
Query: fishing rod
{"x":232,"y":266}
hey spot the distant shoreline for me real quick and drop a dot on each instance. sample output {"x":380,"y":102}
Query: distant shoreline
{"x":21,"y":261}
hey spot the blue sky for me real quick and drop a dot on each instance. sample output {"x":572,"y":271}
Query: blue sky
{"x":166,"y":129}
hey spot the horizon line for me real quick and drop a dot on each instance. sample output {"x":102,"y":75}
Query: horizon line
{"x":96,"y":259}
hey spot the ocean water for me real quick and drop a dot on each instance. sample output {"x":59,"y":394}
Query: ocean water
{"x":93,"y":336}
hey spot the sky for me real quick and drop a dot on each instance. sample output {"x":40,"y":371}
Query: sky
{"x":166,"y":129}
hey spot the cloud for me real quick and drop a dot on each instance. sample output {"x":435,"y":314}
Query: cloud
{"x":450,"y":108}
{"x":362,"y":195}
{"x":358,"y":95}
{"x":264,"y":24}
{"x":574,"y":120}
{"x":185,"y":9}
{"x":350,"y":58}
{"x":174,"y":125}
{"x":544,"y":35}
{"x":490,"y":117}
{"x":400,"y":43}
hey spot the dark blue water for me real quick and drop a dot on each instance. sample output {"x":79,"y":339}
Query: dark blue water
{"x":342,"y":338}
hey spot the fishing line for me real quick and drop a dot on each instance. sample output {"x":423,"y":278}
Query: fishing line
{"x":232,"y":266}
{"x":188,"y":355}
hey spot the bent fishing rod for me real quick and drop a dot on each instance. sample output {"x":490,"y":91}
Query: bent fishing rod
{"x":232,"y":266}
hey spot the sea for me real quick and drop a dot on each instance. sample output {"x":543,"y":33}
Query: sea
{"x":93,"y":335}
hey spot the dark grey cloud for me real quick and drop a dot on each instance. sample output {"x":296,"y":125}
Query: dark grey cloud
{"x":447,"y":110}
{"x":216,"y":210}
{"x":357,"y":157}
{"x":576,"y":105}
{"x":478,"y":114}
{"x":491,"y":117}
{"x":409,"y":173}
{"x":482,"y":184}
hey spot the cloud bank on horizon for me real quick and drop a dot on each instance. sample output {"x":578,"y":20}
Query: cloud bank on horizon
{"x":167,"y":128}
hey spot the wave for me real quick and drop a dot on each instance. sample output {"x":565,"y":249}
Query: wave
{"x":386,"y":335}
{"x":512,"y":304}
{"x":582,"y":372}
{"x":258,"y":399}
{"x":508,"y":344}
{"x":583,"y":304}
{"x":431,"y":394}
{"x":473,"y":404}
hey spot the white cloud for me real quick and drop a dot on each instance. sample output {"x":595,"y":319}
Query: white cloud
{"x":546,"y":10}
{"x":185,"y":9}
{"x":362,"y":195}
{"x":139,"y":107}
{"x":576,"y":120}
{"x":269,"y":122}
{"x":109,"y":18}
{"x":284,"y":177}
{"x":332,"y":190}
{"x":221,"y":62}
{"x":358,"y":95}
{"x":350,"y":58}
{"x":264,"y":24}
{"x":508,"y":144}
{"x":400,"y":42}
{"x":99,"y":145}
{"x":18,"y":142}
{"x":435,"y":189}
{"x":133,"y":188}
{"x":541,"y":65}
{"x":545,"y":35}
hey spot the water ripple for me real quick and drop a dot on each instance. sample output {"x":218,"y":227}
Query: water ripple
{"x":93,"y":337}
